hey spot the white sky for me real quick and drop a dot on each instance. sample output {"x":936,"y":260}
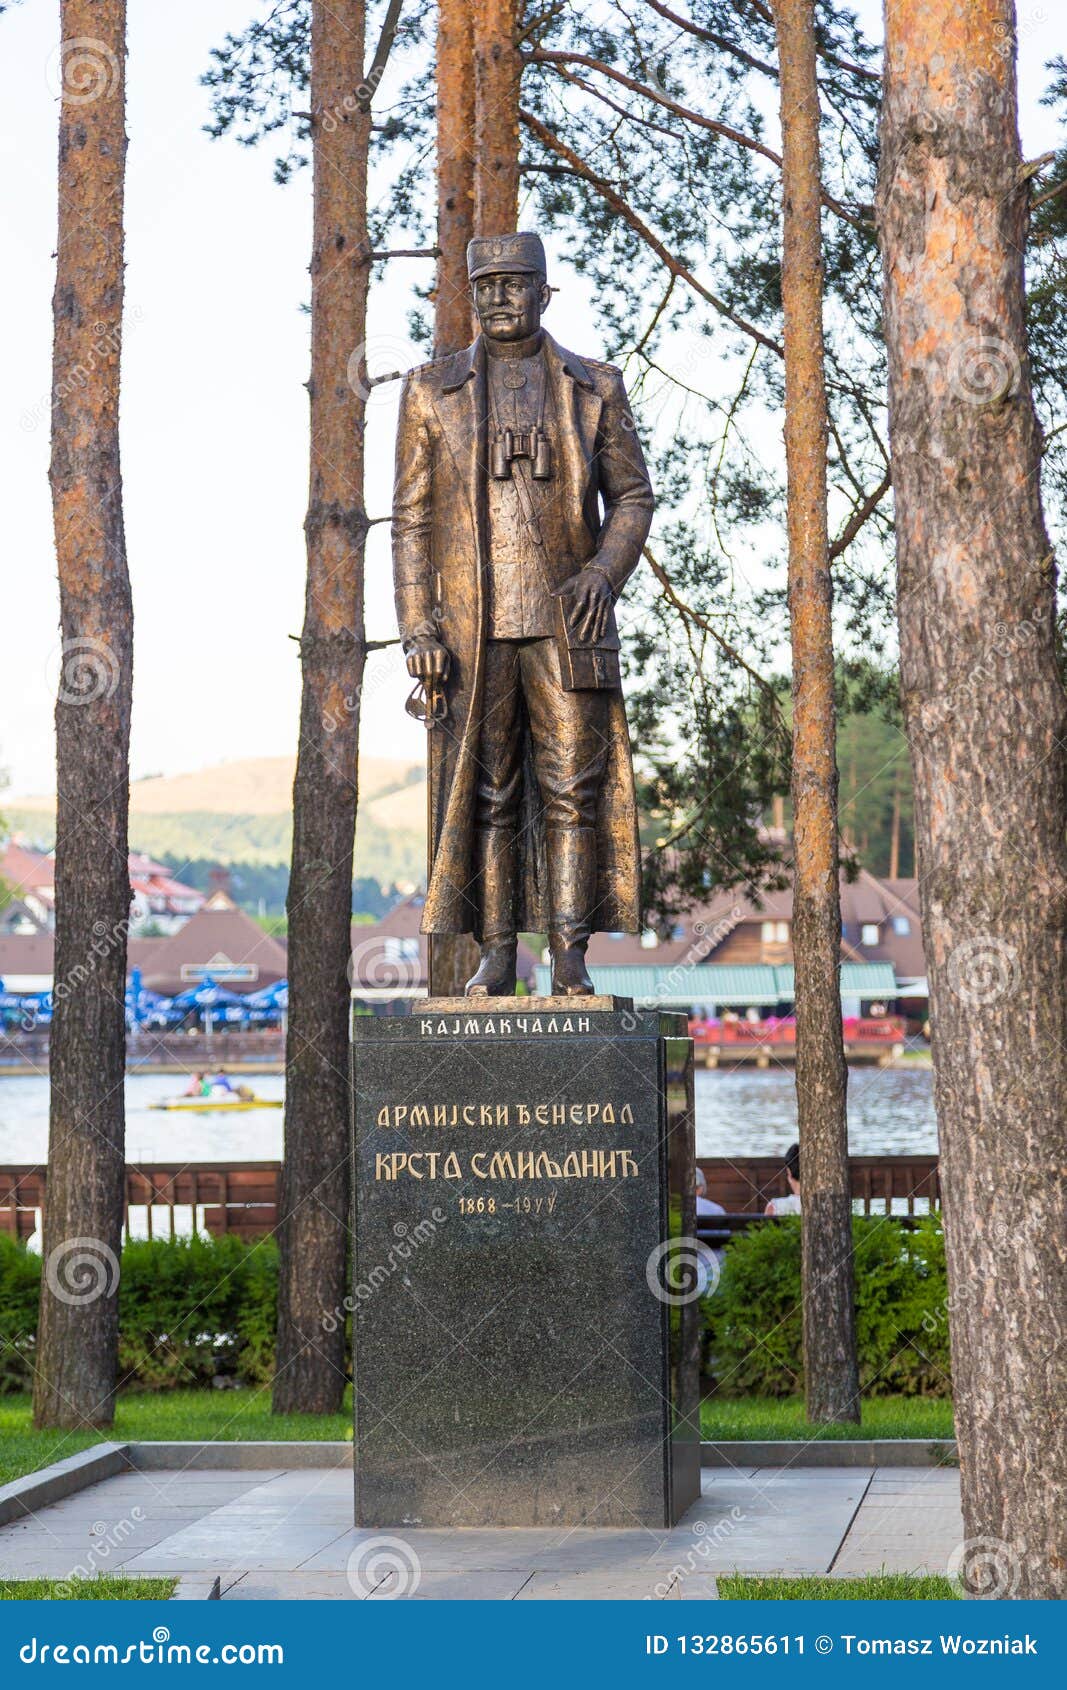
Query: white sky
{"x":214,"y":411}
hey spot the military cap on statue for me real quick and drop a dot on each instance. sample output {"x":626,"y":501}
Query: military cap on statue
{"x":505,"y":255}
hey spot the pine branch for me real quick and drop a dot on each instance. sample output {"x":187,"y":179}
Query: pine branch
{"x":859,"y":517}
{"x":544,"y":55}
{"x":694,"y":618}
{"x":624,"y":210}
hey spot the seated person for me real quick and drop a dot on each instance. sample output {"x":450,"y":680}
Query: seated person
{"x":195,"y":1088}
{"x":788,"y":1205}
{"x":221,"y":1081}
{"x":705,"y":1204}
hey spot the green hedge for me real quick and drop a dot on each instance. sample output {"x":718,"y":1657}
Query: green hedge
{"x":190,"y":1309}
{"x":193,"y":1309}
{"x":753,"y":1320}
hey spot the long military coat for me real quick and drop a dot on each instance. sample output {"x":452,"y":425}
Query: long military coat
{"x":601,"y":507}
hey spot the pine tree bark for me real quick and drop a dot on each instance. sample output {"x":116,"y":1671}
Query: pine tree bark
{"x":831,"y":1379}
{"x":497,"y":72}
{"x":985,"y":717}
{"x":314,"y":1202}
{"x":453,"y":320}
{"x":77,"y":1343}
{"x":452,"y":957}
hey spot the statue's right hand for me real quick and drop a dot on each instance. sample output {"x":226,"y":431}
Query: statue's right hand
{"x":428,"y":660}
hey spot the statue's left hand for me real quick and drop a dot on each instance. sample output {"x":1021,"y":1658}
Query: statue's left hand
{"x":591,"y":606}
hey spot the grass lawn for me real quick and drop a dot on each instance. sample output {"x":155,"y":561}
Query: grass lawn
{"x":876,"y":1587}
{"x":225,"y":1415}
{"x":151,"y":1415}
{"x":783,"y":1417}
{"x":87,"y":1590}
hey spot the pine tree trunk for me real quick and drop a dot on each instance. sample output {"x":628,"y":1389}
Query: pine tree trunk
{"x":77,"y":1342}
{"x":985,"y":717}
{"x":452,"y":957}
{"x":497,"y":70}
{"x":894,"y":835}
{"x":831,"y":1379}
{"x":314,"y":1206}
{"x":453,"y":322}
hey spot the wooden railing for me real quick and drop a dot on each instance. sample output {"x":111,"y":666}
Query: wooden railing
{"x":242,"y":1198}
{"x":744,"y":1185}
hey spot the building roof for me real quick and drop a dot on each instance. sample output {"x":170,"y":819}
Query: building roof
{"x":758,"y":985}
{"x":26,"y":957}
{"x":865,"y":901}
{"x":220,"y":940}
{"x":389,"y":956}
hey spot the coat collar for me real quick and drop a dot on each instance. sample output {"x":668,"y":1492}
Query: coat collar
{"x":462,"y":365}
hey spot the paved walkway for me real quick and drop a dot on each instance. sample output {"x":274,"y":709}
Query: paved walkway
{"x":289,"y":1534}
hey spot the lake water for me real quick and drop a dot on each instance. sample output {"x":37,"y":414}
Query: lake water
{"x":746,"y":1112}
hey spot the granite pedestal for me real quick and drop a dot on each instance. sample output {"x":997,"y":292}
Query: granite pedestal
{"x":524,"y":1324}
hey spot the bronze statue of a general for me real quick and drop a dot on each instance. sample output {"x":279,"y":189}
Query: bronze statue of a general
{"x":521,"y":506}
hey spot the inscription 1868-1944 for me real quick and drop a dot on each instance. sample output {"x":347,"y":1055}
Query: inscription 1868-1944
{"x":515,"y":1369}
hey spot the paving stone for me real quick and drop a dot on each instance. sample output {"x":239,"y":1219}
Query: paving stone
{"x":289,"y":1534}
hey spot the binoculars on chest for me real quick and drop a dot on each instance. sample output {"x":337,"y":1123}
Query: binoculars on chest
{"x":511,"y":443}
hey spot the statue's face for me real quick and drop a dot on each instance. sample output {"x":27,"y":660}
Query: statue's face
{"x":510,"y":307}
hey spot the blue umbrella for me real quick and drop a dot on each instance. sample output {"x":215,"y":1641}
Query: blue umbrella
{"x":208,"y":995}
{"x":271,"y":997}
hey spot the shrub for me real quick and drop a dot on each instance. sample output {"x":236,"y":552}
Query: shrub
{"x":20,"y":1281}
{"x":753,"y":1321}
{"x":189,"y":1309}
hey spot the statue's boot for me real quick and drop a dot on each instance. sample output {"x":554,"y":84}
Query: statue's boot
{"x":493,"y":861}
{"x":572,"y":881}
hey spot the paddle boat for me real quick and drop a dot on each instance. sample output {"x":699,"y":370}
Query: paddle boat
{"x":231,"y":1103}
